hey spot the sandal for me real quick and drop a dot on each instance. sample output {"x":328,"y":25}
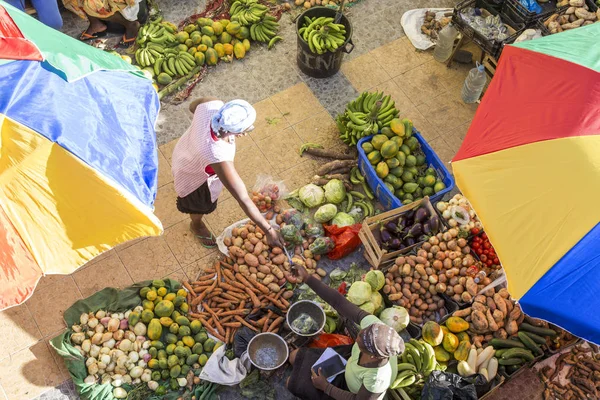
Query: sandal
{"x":124,"y":43}
{"x":84,"y":37}
{"x":204,"y":239}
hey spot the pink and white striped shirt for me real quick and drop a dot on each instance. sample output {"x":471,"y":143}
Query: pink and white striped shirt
{"x":196,"y":150}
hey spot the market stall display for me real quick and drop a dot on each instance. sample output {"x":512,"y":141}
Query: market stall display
{"x":579,"y":13}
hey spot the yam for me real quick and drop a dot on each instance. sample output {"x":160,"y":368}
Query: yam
{"x":479,"y":321}
{"x":512,"y":328}
{"x":491,"y":322}
{"x":509,"y":305}
{"x":466,"y":297}
{"x":490,"y":303}
{"x":471,"y":286}
{"x":462,"y":313}
{"x":576,"y":3}
{"x":478,"y":307}
{"x":498,"y":316}
{"x":573,"y":25}
{"x":480,"y":299}
{"x":586,"y":15}
{"x":500,"y":303}
{"x":501,"y":334}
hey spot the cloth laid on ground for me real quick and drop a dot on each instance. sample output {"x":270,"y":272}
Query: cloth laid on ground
{"x":104,"y":8}
{"x":411,"y":23}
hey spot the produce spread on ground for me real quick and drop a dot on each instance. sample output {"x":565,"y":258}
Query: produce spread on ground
{"x":434,"y":275}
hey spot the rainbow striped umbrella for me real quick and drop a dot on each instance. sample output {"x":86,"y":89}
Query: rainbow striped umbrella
{"x":530,"y":165}
{"x":78,"y":161}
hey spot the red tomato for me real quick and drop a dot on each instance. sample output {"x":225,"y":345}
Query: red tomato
{"x":484,"y":236}
{"x":483,"y":258}
{"x":475,"y":245}
{"x":496,"y":261}
{"x":475,"y":231}
{"x":486,"y":245}
{"x":489,"y":263}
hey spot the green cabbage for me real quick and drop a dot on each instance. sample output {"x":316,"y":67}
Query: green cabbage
{"x":376,"y":299}
{"x":376,"y":279}
{"x":311,"y":195}
{"x":395,"y":317}
{"x":342,"y":219}
{"x":335,"y":191}
{"x":325,"y":213}
{"x":359,"y":293}
{"x":368,"y":307}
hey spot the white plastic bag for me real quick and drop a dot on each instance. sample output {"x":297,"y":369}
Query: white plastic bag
{"x":411,"y":23}
{"x":266,"y":192}
{"x":223,"y":371}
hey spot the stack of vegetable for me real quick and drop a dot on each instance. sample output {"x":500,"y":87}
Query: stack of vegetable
{"x":576,"y":15}
{"x":365,"y":116}
{"x":253,"y":16}
{"x":458,"y":213}
{"x":312,"y":3}
{"x":322,"y":34}
{"x":417,"y":363}
{"x":411,"y":227}
{"x":365,"y":294}
{"x":450,"y":341}
{"x":480,"y":361}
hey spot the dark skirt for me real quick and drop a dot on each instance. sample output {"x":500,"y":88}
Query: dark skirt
{"x":197,"y":202}
{"x":300,"y":383}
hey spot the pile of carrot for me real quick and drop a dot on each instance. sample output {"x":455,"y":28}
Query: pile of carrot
{"x":229,"y":300}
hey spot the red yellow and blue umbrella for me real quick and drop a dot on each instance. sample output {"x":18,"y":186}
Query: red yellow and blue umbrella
{"x":530,"y":165}
{"x":78,"y":157}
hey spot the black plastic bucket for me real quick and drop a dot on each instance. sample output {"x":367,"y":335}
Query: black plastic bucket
{"x":326,"y":64}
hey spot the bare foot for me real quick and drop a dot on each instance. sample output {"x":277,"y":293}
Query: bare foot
{"x":96,"y":26}
{"x":204,"y":235}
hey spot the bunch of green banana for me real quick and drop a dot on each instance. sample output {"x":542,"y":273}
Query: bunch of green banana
{"x":322,"y":34}
{"x":365,"y":116}
{"x":265,"y":30}
{"x":178,"y":64}
{"x":330,"y":324}
{"x":417,"y":363}
{"x":154,"y":32}
{"x":247,"y":12}
{"x":147,"y":56}
{"x":358,"y":199}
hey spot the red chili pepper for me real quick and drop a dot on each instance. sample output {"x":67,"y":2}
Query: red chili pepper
{"x":342,"y":288}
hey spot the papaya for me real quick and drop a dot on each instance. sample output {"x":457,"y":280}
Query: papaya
{"x":170,"y":338}
{"x":183,"y":321}
{"x":157,"y":344}
{"x":151,"y":295}
{"x":367,"y":147}
{"x":397,"y":127}
{"x":439,"y":186}
{"x":182,"y":36}
{"x":427,"y":191}
{"x":204,"y":22}
{"x":228,"y":49}
{"x":397,"y":172}
{"x":463,"y":337}
{"x":195,"y":326}
{"x":207,"y":30}
{"x":401,"y":157}
{"x":432,"y":333}
{"x":185,"y":369}
{"x":207,"y":41}
{"x":389,"y":186}
{"x":192,"y":51}
{"x":175,"y":315}
{"x":212,"y":58}
{"x":246,"y":44}
{"x":224,"y":22}
{"x":382,"y":170}
{"x":410,"y":187}
{"x":179,"y":351}
{"x":387,"y":132}
{"x":174,"y":328}
{"x":200,"y":58}
{"x":394,"y":181}
{"x":202,"y":360}
{"x":189,"y":341}
{"x":428,"y":180}
{"x":444,"y":330}
{"x":153,"y":363}
{"x":134,"y":318}
{"x":389,"y":149}
{"x":144,"y":291}
{"x":182,"y":47}
{"x":441,"y":355}
{"x":214,"y":38}
{"x":239,"y":50}
{"x":177,"y":300}
{"x":154,"y":329}
{"x":374,"y":157}
{"x":171,"y":348}
{"x":233,"y":28}
{"x":407,"y":176}
{"x":378,"y":140}
{"x":192,"y":359}
{"x":457,"y":324}
{"x":202,"y":47}
{"x":244,"y":33}
{"x":225,"y":38}
{"x":190,"y":28}
{"x":197,"y":349}
{"x":201,"y":337}
{"x":209,"y":345}
{"x":189,"y":43}
{"x":450,"y":342}
{"x":217,"y":28}
{"x":399,"y":141}
{"x":196,"y":38}
{"x":175,"y":372}
{"x":220,"y":49}
{"x":156,"y":376}
{"x":405,"y":149}
{"x":181,"y":293}
{"x":411,"y":161}
{"x":164,"y":309}
{"x":166,"y":321}
{"x":421,"y":160}
{"x":185,"y":307}
{"x":162,"y":292}
{"x":162,"y":355}
{"x":184,"y":331}
{"x":462,"y":351}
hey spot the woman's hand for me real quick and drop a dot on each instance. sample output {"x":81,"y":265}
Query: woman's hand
{"x":319,"y":381}
{"x":301,"y":272}
{"x":274,"y":238}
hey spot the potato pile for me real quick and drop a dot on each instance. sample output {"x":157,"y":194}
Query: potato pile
{"x":492,"y":315}
{"x":578,"y":14}
{"x":312,"y":3}
{"x":252,"y":256}
{"x":431,"y":26}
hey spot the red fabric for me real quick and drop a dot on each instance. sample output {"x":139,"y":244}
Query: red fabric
{"x":346,"y":240}
{"x":533,"y":97}
{"x":325,"y":340}
{"x":13,"y":45}
{"x":209,"y":170}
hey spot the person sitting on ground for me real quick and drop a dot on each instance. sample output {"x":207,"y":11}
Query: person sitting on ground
{"x":372,"y":364}
{"x":202,"y":164}
{"x":47,"y":11}
{"x":99,"y":12}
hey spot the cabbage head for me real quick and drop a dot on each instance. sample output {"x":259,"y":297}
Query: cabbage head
{"x":335,"y":191}
{"x":311,"y":195}
{"x":376,"y":299}
{"x":359,"y":293}
{"x":395,"y":317}
{"x":342,"y":219}
{"x":325,"y":213}
{"x":368,"y":307}
{"x":376,"y":279}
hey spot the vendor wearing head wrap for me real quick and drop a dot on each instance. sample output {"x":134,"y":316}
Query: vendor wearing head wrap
{"x":372,"y":360}
{"x":203,"y":163}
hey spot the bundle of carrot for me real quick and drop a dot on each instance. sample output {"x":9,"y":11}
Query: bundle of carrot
{"x":224,"y":300}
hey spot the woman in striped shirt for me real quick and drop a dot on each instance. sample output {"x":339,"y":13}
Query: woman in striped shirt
{"x":203,"y":163}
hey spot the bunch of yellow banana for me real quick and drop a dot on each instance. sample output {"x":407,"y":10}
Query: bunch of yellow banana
{"x":156,"y":33}
{"x":247,"y":12}
{"x":365,"y":116}
{"x":265,"y":30}
{"x":322,"y":34}
{"x":417,"y":363}
{"x":175,"y":63}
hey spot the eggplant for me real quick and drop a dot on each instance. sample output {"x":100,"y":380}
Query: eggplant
{"x":391,"y":226}
{"x":401,"y":223}
{"x":386,"y":236}
{"x":395,"y":244}
{"x":421,"y":214}
{"x":409,"y":241}
{"x":409,"y":215}
{"x":434,"y":224}
{"x":426,"y":229}
{"x":415,"y":231}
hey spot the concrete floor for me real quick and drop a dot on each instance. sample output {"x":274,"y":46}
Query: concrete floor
{"x":292,"y":108}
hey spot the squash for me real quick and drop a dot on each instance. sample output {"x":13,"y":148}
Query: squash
{"x":441,"y":355}
{"x":154,"y":329}
{"x":462,"y":351}
{"x":450,"y":342}
{"x":432,"y":333}
{"x":457,"y":324}
{"x":164,"y":309}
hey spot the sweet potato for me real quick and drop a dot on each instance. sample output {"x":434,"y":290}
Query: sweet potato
{"x":479,"y":321}
{"x":490,"y":303}
{"x":236,"y":252}
{"x":462,"y":313}
{"x":498,"y":316}
{"x":480,"y":299}
{"x":478,"y":307}
{"x":471,"y":286}
{"x":512,"y":327}
{"x":500,"y":304}
{"x":573,"y":25}
{"x":491,"y":322}
{"x":586,"y":15}
{"x":251,"y":260}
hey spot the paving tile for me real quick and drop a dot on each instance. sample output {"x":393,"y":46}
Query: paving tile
{"x":30,"y":372}
{"x":18,"y":329}
{"x":333,"y":92}
{"x":445,"y":112}
{"x":184,"y":245}
{"x":422,"y":124}
{"x":47,"y":305}
{"x":320,"y":129}
{"x":109,"y":272}
{"x":179,"y":276}
{"x":301,"y":174}
{"x":398,"y":57}
{"x":165,"y":206}
{"x":269,"y":120}
{"x":167,"y":149}
{"x":164,"y":170}
{"x":281,"y":149}
{"x":64,"y":391}
{"x":297,"y":103}
{"x":149,"y":259}
{"x":172,"y":122}
{"x":60,"y":362}
{"x":195,"y":269}
{"x":250,"y":163}
{"x":226,"y":214}
{"x":455,"y":137}
{"x":48,"y":280}
{"x":364,"y":72}
{"x":402,"y":101}
{"x":444,"y":151}
{"x":421,"y":83}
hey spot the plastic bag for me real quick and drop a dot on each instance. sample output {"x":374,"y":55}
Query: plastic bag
{"x":266,"y":192}
{"x":445,"y":386}
{"x":241,"y":340}
{"x":293,"y":217}
{"x":219,"y":369}
{"x":346,"y":240}
{"x":313,"y":229}
{"x":321,"y":245}
{"x":291,"y":234}
{"x":305,"y":324}
{"x":325,"y":340}
{"x":532,"y":6}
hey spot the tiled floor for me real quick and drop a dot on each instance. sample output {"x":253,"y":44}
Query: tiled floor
{"x":292,"y":109}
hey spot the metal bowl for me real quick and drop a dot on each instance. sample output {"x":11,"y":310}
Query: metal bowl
{"x":306,"y":307}
{"x":268,"y":351}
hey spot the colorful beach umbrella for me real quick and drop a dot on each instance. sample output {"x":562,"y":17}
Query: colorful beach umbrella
{"x":78,"y":157}
{"x":530,"y":165}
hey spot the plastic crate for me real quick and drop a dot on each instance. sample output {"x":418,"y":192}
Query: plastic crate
{"x":492,"y":47}
{"x":517,"y":12}
{"x":387,"y":199}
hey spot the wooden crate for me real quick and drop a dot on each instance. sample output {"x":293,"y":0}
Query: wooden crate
{"x":369,"y":234}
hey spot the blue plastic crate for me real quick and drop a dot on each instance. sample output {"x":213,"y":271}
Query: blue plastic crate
{"x":387,"y":199}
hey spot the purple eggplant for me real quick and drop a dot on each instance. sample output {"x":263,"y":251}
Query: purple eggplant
{"x":415,"y":231}
{"x":395,"y":244}
{"x":434,"y":224}
{"x":421,"y":214}
{"x":386,"y":236}
{"x":409,"y":215}
{"x":391,"y":227}
{"x":401,"y":223}
{"x":409,"y":241}
{"x":426,"y":229}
